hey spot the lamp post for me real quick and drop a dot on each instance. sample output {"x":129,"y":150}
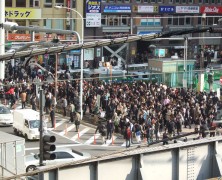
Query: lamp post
{"x":81,"y":59}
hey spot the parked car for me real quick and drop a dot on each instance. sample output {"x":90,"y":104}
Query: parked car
{"x":6,"y":117}
{"x":64,"y":155}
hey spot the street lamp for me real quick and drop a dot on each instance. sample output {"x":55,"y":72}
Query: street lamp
{"x":81,"y":59}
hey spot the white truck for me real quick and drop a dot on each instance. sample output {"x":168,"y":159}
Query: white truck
{"x":26,"y":123}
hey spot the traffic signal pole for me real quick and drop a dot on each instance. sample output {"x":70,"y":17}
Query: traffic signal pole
{"x":41,"y":128}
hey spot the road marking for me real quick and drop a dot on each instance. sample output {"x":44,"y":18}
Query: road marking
{"x":64,"y":137}
{"x":68,"y":129}
{"x":57,"y":146}
{"x":80,"y":134}
{"x":108,"y":142}
{"x":91,"y":140}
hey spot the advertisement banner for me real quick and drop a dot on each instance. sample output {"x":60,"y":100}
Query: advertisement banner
{"x":22,"y":37}
{"x":145,"y":9}
{"x":93,"y":19}
{"x":23,"y":13}
{"x":166,"y":9}
{"x":117,"y":9}
{"x":211,"y":9}
{"x":93,"y":6}
{"x":187,"y":9}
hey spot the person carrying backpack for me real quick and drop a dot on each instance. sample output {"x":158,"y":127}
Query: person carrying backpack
{"x":102,"y":130}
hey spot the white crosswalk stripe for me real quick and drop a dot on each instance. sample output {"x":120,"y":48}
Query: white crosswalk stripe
{"x":108,"y":142}
{"x":67,"y":129}
{"x":80,"y":134}
{"x":91,"y":140}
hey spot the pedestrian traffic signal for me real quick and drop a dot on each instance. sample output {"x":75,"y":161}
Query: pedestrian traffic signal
{"x":48,"y":147}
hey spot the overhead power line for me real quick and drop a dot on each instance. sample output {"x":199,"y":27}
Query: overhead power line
{"x":107,"y":42}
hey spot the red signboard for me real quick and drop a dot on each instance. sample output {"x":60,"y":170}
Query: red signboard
{"x":22,"y":37}
{"x":211,"y":9}
{"x":68,"y":5}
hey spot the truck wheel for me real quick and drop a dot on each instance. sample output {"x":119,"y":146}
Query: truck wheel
{"x":15,"y":132}
{"x":26,"y":137}
{"x":30,"y":168}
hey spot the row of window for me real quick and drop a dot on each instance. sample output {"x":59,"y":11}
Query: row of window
{"x":48,"y":3}
{"x":124,"y":20}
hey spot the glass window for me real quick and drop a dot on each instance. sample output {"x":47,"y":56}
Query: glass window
{"x":206,"y":1}
{"x":210,"y":21}
{"x":34,"y":3}
{"x":127,"y":1}
{"x":159,"y":1}
{"x":177,"y":1}
{"x":8,"y":3}
{"x":20,"y":3}
{"x":59,"y":24}
{"x":170,"y":1}
{"x":181,"y":21}
{"x":48,"y":23}
{"x":111,"y":1}
{"x":199,"y":20}
{"x":34,"y":124}
{"x":187,"y":20}
{"x":59,"y":2}
{"x":170,"y":20}
{"x":152,"y":1}
{"x":190,"y":1}
{"x":48,"y":3}
{"x":138,"y":1}
{"x":218,"y":1}
{"x":34,"y":22}
{"x":119,"y":1}
{"x":124,"y":20}
{"x":212,"y":1}
{"x":145,"y":1}
{"x":4,"y":110}
{"x":200,"y":1}
{"x":104,"y":20}
{"x":183,"y":1}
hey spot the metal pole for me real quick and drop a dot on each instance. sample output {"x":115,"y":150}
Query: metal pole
{"x":41,"y":128}
{"x":56,"y":79}
{"x":2,"y":39}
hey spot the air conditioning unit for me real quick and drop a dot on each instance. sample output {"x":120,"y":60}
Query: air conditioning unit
{"x":59,"y":4}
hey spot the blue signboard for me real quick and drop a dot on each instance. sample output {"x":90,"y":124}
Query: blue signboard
{"x":116,"y":9}
{"x":166,"y":9}
{"x":93,"y":6}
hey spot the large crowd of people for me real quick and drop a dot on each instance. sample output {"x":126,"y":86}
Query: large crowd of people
{"x":147,"y":109}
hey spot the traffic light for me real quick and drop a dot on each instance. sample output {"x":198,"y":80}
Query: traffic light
{"x":48,"y":147}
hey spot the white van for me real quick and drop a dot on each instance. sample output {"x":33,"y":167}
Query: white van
{"x":26,"y":123}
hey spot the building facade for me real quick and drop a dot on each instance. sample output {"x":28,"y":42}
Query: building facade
{"x":105,"y":19}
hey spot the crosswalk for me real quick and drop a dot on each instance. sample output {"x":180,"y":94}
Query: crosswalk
{"x":85,"y":135}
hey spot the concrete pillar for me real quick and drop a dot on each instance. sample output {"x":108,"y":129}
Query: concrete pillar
{"x":2,"y":38}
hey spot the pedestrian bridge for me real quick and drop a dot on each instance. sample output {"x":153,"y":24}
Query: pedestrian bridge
{"x":199,"y":159}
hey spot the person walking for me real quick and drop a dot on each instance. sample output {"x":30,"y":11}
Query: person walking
{"x":64,"y":105}
{"x":52,"y":116}
{"x":102,"y":130}
{"x":23,"y":98}
{"x":72,"y":111}
{"x":128,"y":135}
{"x":77,"y":118}
{"x":109,"y":128}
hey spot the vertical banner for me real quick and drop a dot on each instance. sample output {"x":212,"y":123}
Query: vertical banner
{"x":93,"y":13}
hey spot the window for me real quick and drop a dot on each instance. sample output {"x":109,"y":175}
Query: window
{"x":218,"y":1}
{"x":21,"y":23}
{"x":212,"y":1}
{"x":8,"y":3}
{"x":34,"y":22}
{"x":48,"y":23}
{"x":127,"y":1}
{"x":59,"y":2}
{"x":34,"y":3}
{"x":187,"y":20}
{"x":177,"y":1}
{"x":150,"y":21}
{"x":138,"y":1}
{"x":170,"y":20}
{"x":190,"y":1}
{"x":59,"y":24}
{"x":124,"y":20}
{"x":153,"y":1}
{"x":184,"y":1}
{"x":170,"y":1}
{"x":63,"y":155}
{"x":48,"y":3}
{"x":119,"y":1}
{"x":160,"y":1}
{"x":111,"y":1}
{"x":20,"y":3}
{"x":145,"y":1}
{"x":104,"y":20}
{"x":207,"y":1}
{"x":200,"y":1}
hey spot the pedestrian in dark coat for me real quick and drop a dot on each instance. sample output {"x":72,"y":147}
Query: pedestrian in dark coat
{"x":52,"y":116}
{"x":109,"y":128}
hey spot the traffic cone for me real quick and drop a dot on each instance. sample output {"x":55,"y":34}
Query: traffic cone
{"x":112,"y":140}
{"x":94,"y":139}
{"x":78,"y":135}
